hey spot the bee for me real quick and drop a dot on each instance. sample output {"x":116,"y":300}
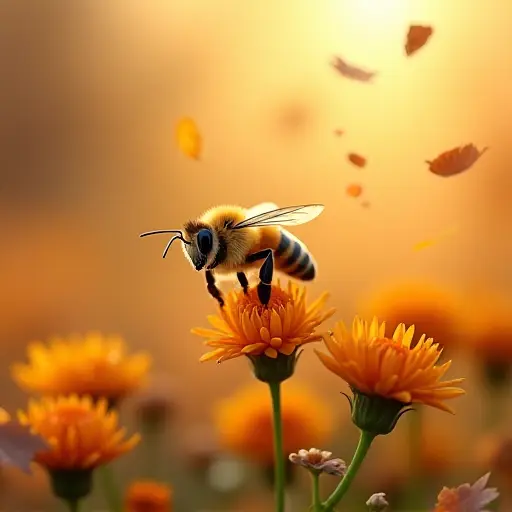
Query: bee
{"x":230,"y":239}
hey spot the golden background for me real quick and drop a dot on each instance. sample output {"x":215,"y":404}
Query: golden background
{"x":90,"y":96}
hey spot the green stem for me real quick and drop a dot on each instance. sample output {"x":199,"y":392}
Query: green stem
{"x":73,"y":505}
{"x":279,"y":466}
{"x":365,"y":441}
{"x":110,"y":490}
{"x":317,"y":502}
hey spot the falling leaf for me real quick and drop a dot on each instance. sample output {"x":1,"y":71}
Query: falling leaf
{"x":417,"y":37}
{"x":357,"y":160}
{"x":338,"y":132}
{"x":354,"y":190}
{"x":189,"y":139}
{"x":18,"y":446}
{"x":352,"y":72}
{"x":455,"y":161}
{"x":425,"y":244}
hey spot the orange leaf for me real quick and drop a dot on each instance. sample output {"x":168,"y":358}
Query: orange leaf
{"x":189,"y":139}
{"x":357,"y":160}
{"x":417,"y":37}
{"x":455,"y":161}
{"x":354,"y":190}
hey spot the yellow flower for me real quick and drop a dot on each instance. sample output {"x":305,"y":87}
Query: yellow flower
{"x":244,"y":421}
{"x":148,"y":496}
{"x":432,"y":309}
{"x":80,"y":434}
{"x":245,"y":327}
{"x":91,"y":365}
{"x":373,"y":364}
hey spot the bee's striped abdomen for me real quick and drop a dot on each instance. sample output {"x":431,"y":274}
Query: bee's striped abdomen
{"x":294,"y":259}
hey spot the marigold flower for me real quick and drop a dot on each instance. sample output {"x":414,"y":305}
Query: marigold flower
{"x":387,"y":373}
{"x":92,"y":365}
{"x":432,"y":309}
{"x":244,"y":421}
{"x":245,"y":327}
{"x":467,"y":497}
{"x":148,"y":496}
{"x":81,"y":435}
{"x":318,"y":461}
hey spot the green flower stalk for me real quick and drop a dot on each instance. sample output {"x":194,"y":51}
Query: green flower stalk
{"x":386,"y":375}
{"x":279,"y":460}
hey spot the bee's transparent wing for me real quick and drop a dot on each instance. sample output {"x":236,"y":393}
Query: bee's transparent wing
{"x":288,"y":216}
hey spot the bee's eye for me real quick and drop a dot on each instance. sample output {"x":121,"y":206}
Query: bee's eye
{"x":205,"y":241}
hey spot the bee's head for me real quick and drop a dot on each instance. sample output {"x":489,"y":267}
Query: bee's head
{"x":202,"y":249}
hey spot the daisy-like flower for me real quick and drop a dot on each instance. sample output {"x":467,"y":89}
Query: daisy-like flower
{"x":386,"y":374}
{"x":93,"y":365}
{"x":467,"y":497}
{"x":318,"y":461}
{"x":81,"y":436}
{"x":244,"y":421}
{"x":148,"y":496}
{"x":268,"y":335}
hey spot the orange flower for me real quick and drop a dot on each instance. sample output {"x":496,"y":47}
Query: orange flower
{"x":244,"y":421}
{"x":376,"y":365}
{"x":91,"y":365}
{"x":245,"y":327}
{"x":148,"y":496}
{"x":432,"y":309}
{"x":80,"y":433}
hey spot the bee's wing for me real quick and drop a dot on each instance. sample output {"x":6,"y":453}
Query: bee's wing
{"x":288,"y":216}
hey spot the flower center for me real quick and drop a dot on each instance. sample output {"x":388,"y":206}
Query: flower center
{"x":392,"y":345}
{"x":279,"y":298}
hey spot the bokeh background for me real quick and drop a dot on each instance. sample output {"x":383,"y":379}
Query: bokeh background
{"x":89,"y":101}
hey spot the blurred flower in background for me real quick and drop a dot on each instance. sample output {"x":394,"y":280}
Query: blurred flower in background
{"x":494,"y":451}
{"x":433,"y":309}
{"x":93,"y":364}
{"x":244,"y":421}
{"x":82,"y":435}
{"x":148,"y":496}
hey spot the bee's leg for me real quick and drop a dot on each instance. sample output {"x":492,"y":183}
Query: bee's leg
{"x":212,"y":289}
{"x":266,"y":273}
{"x":242,"y":279}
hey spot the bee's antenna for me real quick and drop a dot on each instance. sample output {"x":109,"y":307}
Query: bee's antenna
{"x":179,"y":236}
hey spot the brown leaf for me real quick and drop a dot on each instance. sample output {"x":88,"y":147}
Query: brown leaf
{"x":417,"y":37}
{"x":455,"y":161}
{"x":352,"y":72}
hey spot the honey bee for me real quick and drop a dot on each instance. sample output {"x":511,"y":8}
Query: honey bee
{"x":230,"y":239}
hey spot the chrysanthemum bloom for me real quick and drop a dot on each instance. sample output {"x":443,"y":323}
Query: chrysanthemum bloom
{"x":269,"y":335}
{"x":385,"y":374}
{"x":148,"y":496}
{"x":318,"y":461}
{"x":244,"y":421}
{"x":81,"y":435}
{"x":92,"y":365}
{"x":432,"y":309}
{"x":466,"y":497}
